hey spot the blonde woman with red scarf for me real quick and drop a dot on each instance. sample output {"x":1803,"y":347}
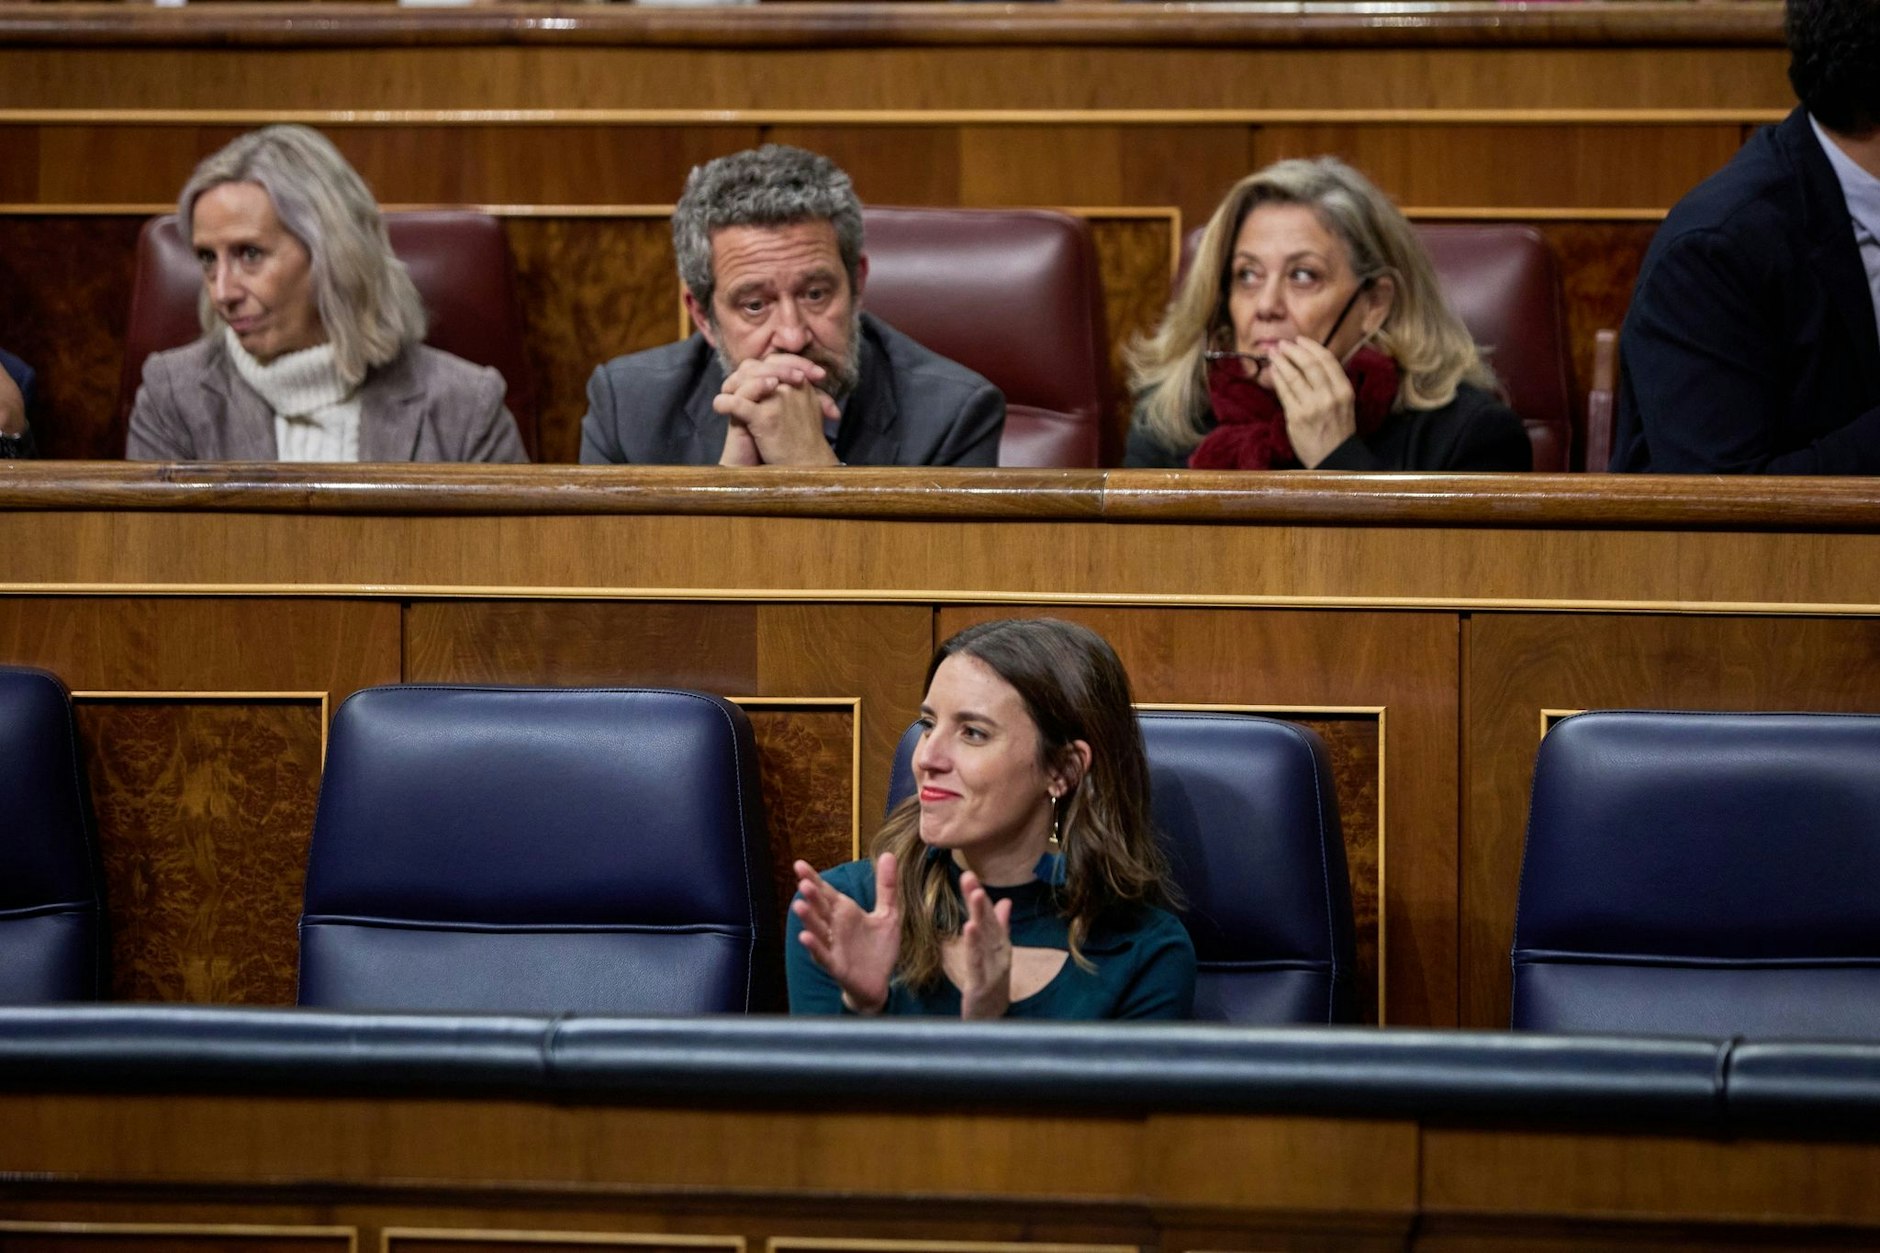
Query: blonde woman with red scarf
{"x":1309,"y":333}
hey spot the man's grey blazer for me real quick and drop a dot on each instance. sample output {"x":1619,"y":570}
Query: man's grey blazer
{"x":910,"y":407}
{"x":424,"y":405}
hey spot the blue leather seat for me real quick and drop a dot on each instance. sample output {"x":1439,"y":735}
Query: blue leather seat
{"x":1703,"y":873}
{"x":52,"y":945}
{"x":1249,"y":818}
{"x":509,"y":849}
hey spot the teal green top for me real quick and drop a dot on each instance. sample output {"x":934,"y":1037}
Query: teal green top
{"x":1145,"y":962}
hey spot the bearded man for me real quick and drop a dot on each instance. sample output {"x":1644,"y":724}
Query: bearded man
{"x":785,"y":368}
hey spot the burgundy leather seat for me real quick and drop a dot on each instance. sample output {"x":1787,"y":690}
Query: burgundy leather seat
{"x":1502,"y":280}
{"x":460,"y":262}
{"x":1013,"y":295}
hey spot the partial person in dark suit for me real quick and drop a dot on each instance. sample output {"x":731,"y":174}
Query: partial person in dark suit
{"x":1310,"y":332}
{"x":16,"y":397}
{"x":313,"y":333}
{"x":785,"y":369}
{"x":1753,"y":340}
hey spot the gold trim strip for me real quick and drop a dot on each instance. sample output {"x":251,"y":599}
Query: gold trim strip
{"x":894,"y":117}
{"x":833,"y":596}
{"x":469,"y":1235}
{"x":1550,"y":716}
{"x":781,"y":1244}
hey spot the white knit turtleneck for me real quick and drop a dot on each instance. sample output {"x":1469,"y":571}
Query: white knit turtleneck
{"x":316,"y":416}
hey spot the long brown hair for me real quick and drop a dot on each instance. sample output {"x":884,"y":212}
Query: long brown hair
{"x":1074,"y":688}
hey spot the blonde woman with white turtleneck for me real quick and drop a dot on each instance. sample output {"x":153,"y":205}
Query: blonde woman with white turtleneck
{"x":312,"y":347}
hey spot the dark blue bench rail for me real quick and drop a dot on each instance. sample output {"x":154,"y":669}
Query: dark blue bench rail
{"x":1708,"y":1086}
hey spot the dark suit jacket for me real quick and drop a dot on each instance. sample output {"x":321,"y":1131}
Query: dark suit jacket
{"x":425,"y":405}
{"x":1750,"y":345}
{"x":910,"y":407}
{"x":1474,"y":431}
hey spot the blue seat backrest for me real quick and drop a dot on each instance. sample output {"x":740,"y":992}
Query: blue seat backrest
{"x":508,"y":849}
{"x":1246,"y":811}
{"x":1703,"y":873}
{"x":51,"y":917}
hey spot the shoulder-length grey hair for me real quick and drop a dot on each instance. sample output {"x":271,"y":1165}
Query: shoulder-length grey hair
{"x":367,"y":302}
{"x":1432,"y":348}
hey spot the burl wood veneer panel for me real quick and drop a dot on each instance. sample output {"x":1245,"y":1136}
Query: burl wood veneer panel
{"x":204,"y":810}
{"x":591,"y":289}
{"x":1522,"y":664}
{"x":1134,"y":260}
{"x":875,"y":653}
{"x":805,"y":763}
{"x":1404,"y":664}
{"x":67,"y":283}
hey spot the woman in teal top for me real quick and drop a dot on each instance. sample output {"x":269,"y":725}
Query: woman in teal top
{"x":1022,"y":879}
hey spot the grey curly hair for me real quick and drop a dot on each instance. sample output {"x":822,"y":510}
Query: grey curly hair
{"x":775,"y":185}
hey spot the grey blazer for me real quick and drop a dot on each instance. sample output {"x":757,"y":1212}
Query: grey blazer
{"x":424,"y":406}
{"x":910,"y":407}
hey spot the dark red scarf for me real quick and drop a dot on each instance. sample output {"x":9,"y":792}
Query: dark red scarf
{"x":1251,"y":434}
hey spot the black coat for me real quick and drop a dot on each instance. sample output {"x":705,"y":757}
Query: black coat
{"x":1474,"y":431}
{"x":1750,"y":345}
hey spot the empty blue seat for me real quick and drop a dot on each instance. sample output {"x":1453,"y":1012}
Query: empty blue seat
{"x":1248,"y":815}
{"x":52,"y":945}
{"x":512,"y":849}
{"x":1703,"y":874}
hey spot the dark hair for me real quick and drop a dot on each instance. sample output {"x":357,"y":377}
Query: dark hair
{"x":1074,"y":688}
{"x":1834,"y":64}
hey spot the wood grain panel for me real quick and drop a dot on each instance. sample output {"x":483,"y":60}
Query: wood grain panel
{"x":123,"y":164}
{"x":890,"y":165}
{"x":190,"y":644}
{"x":130,"y":1238}
{"x":711,"y":648}
{"x":980,"y":74}
{"x":1522,"y":664}
{"x":1399,"y":662}
{"x":1656,"y":1178}
{"x":204,"y":809}
{"x":1541,"y":166}
{"x":455,"y":162}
